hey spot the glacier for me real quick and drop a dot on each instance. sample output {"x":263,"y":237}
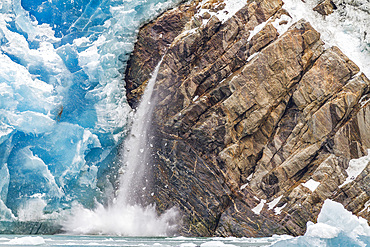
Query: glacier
{"x":63,"y":111}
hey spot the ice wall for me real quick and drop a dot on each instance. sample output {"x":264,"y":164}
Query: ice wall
{"x":62,"y":101}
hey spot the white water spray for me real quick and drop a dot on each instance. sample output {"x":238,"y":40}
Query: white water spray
{"x":124,"y":217}
{"x":137,"y":149}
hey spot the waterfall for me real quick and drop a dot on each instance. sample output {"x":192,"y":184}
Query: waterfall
{"x":125,"y":216}
{"x":137,"y":149}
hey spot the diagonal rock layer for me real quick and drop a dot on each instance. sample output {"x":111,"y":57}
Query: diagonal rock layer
{"x":247,"y":110}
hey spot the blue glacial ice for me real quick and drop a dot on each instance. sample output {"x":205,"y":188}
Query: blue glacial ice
{"x":335,"y":227}
{"x":63,"y":110}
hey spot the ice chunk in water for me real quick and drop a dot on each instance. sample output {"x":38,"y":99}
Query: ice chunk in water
{"x":27,"y":241}
{"x":335,"y":227}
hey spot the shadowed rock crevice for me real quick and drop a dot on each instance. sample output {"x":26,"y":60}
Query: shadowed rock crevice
{"x":248,"y":110}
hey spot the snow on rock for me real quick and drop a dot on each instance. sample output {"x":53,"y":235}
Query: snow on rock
{"x":229,"y":9}
{"x":346,"y":28}
{"x":259,"y":207}
{"x":366,"y":206}
{"x":355,"y":167}
{"x":278,"y":209}
{"x":243,"y":186}
{"x":311,"y":184}
{"x":273,"y":203}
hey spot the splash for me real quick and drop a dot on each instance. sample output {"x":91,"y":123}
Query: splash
{"x":121,"y":220}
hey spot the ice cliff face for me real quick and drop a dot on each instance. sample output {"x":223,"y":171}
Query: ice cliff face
{"x":257,"y":121}
{"x":63,"y":110}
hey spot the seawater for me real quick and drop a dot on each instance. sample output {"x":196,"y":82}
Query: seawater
{"x":335,"y":227}
{"x":66,"y":240}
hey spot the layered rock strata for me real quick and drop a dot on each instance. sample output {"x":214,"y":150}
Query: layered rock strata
{"x":255,"y":119}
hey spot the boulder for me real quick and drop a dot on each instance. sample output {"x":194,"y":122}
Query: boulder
{"x":325,"y":7}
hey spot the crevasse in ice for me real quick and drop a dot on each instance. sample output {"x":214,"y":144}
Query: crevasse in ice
{"x":63,"y":110}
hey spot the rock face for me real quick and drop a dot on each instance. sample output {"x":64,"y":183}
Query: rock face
{"x":255,"y":121}
{"x":325,"y":7}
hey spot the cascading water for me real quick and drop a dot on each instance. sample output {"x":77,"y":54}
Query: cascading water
{"x":137,"y":149}
{"x":125,"y":216}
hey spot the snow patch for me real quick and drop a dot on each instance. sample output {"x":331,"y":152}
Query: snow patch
{"x":243,"y":186}
{"x":364,"y":100}
{"x":278,"y":209}
{"x":257,"y":29}
{"x":274,"y":202}
{"x":355,"y":167}
{"x":311,"y":184}
{"x":366,"y":206}
{"x":278,"y":23}
{"x":230,"y":9}
{"x":257,"y":210}
{"x":252,"y":56}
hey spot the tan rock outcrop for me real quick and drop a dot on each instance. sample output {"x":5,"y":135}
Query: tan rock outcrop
{"x":325,"y":7}
{"x":245,"y":118}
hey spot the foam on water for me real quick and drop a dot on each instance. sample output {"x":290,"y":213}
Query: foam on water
{"x":68,"y":240}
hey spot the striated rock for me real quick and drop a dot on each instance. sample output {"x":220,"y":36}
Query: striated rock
{"x":152,"y":43}
{"x":325,"y":7}
{"x":248,"y":117}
